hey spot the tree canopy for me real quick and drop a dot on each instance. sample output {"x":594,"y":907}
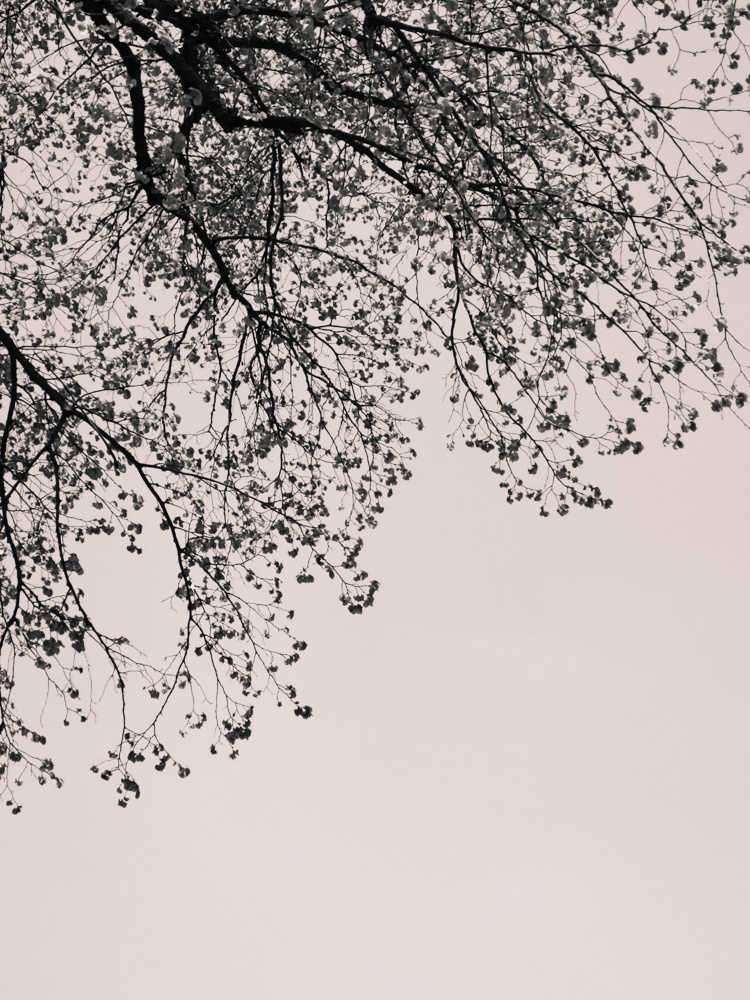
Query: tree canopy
{"x":234,"y":236}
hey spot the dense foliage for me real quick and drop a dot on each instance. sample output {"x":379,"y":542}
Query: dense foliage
{"x":234,"y":234}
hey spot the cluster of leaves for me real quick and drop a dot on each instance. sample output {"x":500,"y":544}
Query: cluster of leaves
{"x":233,"y":235}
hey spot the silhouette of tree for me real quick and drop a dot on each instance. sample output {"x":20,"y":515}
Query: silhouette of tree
{"x":234,"y":234}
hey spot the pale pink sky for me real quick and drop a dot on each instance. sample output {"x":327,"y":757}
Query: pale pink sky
{"x":527,"y":776}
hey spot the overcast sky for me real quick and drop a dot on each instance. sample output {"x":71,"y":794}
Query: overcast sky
{"x":527,"y":774}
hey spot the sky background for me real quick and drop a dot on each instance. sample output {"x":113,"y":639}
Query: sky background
{"x":527,"y":775}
